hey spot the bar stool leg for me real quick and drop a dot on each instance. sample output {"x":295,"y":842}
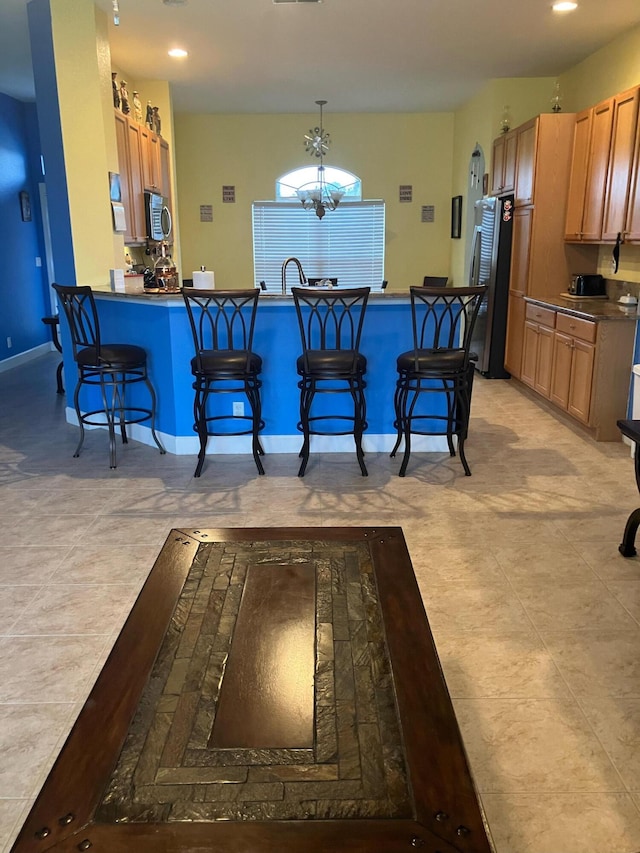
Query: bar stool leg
{"x":152,"y":394}
{"x":200,"y":417}
{"x":307,"y":392}
{"x":397,"y":406}
{"x":60,"y":389}
{"x":360,"y":415}
{"x":406,"y":422}
{"x":253,"y":396}
{"x":76,"y":403}
{"x":109,"y":410}
{"x":627,"y":546}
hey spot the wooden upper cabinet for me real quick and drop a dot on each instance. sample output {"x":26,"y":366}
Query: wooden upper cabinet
{"x":138,"y":227}
{"x":601,"y":125}
{"x":632,"y":225}
{"x":122,"y":144}
{"x":525,"y":162}
{"x":623,"y":138}
{"x":143,"y":159}
{"x":131,"y":185}
{"x":589,"y":165}
{"x":578,"y":177}
{"x":504,"y":163}
{"x":150,"y":160}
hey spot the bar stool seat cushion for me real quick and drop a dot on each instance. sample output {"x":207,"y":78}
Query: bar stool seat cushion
{"x":112,"y":355}
{"x":431,"y":359}
{"x":234,"y":362}
{"x":317,"y":362}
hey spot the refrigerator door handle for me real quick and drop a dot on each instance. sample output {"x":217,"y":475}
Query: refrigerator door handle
{"x":474,"y":273}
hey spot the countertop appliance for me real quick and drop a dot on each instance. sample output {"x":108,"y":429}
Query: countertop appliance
{"x":158,"y":217}
{"x":587,"y":285}
{"x":490,"y":263}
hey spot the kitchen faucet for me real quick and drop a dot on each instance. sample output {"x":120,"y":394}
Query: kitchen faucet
{"x":301,"y":275}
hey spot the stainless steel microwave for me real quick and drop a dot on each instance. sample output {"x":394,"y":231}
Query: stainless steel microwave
{"x":158,"y":216}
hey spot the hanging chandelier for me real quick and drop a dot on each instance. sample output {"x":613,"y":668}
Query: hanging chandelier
{"x":318,"y":195}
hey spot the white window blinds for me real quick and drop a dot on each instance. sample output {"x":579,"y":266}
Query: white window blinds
{"x":348,"y":243}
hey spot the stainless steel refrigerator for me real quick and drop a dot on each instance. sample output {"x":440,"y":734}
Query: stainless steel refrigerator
{"x":490,"y":263}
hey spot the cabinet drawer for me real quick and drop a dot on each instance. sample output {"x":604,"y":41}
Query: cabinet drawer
{"x":544,"y":316}
{"x":583,"y":329}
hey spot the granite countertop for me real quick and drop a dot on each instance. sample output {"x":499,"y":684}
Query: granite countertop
{"x":589,"y":309}
{"x":176,"y":296}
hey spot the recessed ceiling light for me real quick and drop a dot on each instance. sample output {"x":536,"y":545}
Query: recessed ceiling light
{"x":178,"y":52}
{"x":564,"y":6}
{"x":175,"y":2}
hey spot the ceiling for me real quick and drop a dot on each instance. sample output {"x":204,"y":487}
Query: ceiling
{"x":256,"y":56}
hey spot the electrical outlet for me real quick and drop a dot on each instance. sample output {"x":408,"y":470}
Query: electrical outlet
{"x":9,"y":344}
{"x":238,"y":410}
{"x":38,"y":262}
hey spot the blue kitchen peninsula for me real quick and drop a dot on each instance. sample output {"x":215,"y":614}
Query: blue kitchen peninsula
{"x":158,"y":322}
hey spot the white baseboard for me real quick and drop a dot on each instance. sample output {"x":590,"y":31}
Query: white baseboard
{"x":24,"y":357}
{"x":188,"y":445}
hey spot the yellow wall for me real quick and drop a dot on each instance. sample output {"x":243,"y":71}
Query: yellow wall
{"x":159,"y":93}
{"x":606,"y":72}
{"x":251,"y":151}
{"x":478,"y":123}
{"x":81,"y":51}
{"x":429,"y":151}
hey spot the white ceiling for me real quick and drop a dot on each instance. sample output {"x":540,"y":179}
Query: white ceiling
{"x":255,"y":56}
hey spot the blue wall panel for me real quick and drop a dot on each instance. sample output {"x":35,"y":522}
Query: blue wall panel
{"x":164,"y":332}
{"x":23,"y":299}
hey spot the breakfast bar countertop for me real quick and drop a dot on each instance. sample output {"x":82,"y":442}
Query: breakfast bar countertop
{"x":588,"y":309}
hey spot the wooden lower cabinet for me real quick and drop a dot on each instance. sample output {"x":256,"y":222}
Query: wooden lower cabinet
{"x":573,"y":362}
{"x":514,"y":342}
{"x":537,"y":351}
{"x":582,"y":366}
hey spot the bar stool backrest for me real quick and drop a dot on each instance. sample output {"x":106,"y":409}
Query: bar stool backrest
{"x":443,"y":318}
{"x":330,"y":320}
{"x":221,"y":320}
{"x":79,"y":307}
{"x":435,"y":281}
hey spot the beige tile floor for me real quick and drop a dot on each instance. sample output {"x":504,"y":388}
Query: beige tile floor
{"x":535,"y":614}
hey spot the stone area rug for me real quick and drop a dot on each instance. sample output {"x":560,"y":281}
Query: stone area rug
{"x":272,"y":689}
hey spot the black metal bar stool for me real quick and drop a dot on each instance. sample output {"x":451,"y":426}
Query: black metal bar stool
{"x":222,"y":323}
{"x":54,"y":322}
{"x":439,"y":364}
{"x":628,"y":545}
{"x":330,"y":328}
{"x":111,"y":368}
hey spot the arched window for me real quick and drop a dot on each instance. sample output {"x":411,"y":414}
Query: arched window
{"x":347,"y":243}
{"x":307,"y":178}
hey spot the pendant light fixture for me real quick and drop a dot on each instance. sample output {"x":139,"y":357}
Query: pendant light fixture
{"x":319,"y":196}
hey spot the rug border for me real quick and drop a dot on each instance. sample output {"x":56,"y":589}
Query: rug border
{"x":447,"y":812}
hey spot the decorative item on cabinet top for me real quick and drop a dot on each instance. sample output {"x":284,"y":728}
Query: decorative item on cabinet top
{"x":505,"y":121}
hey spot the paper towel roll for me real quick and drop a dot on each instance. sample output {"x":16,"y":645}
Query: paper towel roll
{"x":204,"y":280}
